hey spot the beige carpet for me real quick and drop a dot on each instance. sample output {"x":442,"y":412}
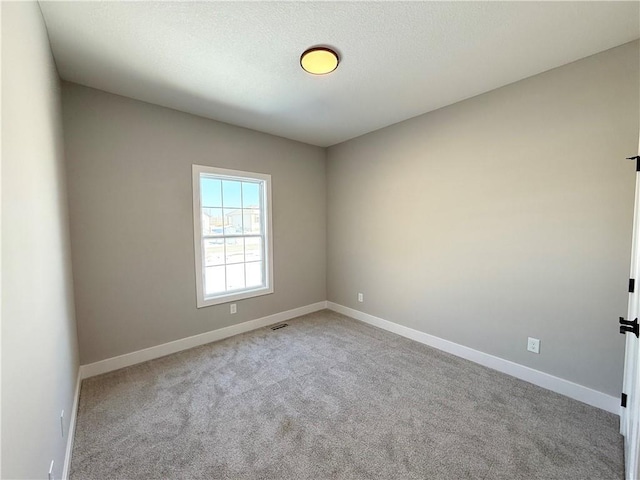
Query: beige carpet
{"x":329,"y":397}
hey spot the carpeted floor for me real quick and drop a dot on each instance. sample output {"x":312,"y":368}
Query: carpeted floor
{"x":329,"y":397}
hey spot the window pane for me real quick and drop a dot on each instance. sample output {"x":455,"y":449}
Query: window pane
{"x":212,"y":221}
{"x":210,"y":192}
{"x":235,"y":276}
{"x":250,"y":195}
{"x":232,"y":221}
{"x":254,"y":274}
{"x":213,"y":252}
{"x":214,"y":281}
{"x":253,"y":249}
{"x":251,"y":220}
{"x":235,"y":250}
{"x":231,"y":193}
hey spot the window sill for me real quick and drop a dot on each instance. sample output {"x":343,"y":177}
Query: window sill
{"x":208,"y":302}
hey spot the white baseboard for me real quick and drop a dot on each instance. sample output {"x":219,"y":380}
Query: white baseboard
{"x":128,"y":359}
{"x":72,"y":429}
{"x":545,"y":380}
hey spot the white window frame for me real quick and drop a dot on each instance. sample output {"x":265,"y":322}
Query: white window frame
{"x":202,"y":300}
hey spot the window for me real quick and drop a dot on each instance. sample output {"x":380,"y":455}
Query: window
{"x":232,"y":234}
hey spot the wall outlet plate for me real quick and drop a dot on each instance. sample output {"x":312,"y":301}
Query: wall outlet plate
{"x":361,"y":297}
{"x":233,"y":309}
{"x":533,"y":345}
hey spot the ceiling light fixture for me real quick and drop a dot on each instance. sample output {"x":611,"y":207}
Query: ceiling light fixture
{"x":319,"y":60}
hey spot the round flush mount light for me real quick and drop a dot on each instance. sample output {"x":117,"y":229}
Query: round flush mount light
{"x":319,"y":60}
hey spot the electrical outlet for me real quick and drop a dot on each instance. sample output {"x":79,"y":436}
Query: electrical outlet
{"x":51,"y":471}
{"x":361,"y":297}
{"x":233,"y":309}
{"x":62,"y":423}
{"x":533,"y":345}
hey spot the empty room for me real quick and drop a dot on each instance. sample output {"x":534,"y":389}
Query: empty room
{"x":320,"y":240}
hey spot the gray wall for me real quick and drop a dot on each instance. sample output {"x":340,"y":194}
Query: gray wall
{"x":39,"y":346}
{"x":129,"y":176}
{"x":503,"y":216}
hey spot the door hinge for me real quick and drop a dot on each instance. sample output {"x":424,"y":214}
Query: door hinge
{"x":623,"y":400}
{"x":629,"y":326}
{"x":637,"y":159}
{"x":632,"y":285}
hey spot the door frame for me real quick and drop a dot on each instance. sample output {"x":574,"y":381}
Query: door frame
{"x":630,"y":416}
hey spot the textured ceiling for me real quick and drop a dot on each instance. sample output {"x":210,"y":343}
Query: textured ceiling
{"x":238,"y":62}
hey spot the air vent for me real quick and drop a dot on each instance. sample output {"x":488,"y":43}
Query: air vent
{"x":278,"y":327}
